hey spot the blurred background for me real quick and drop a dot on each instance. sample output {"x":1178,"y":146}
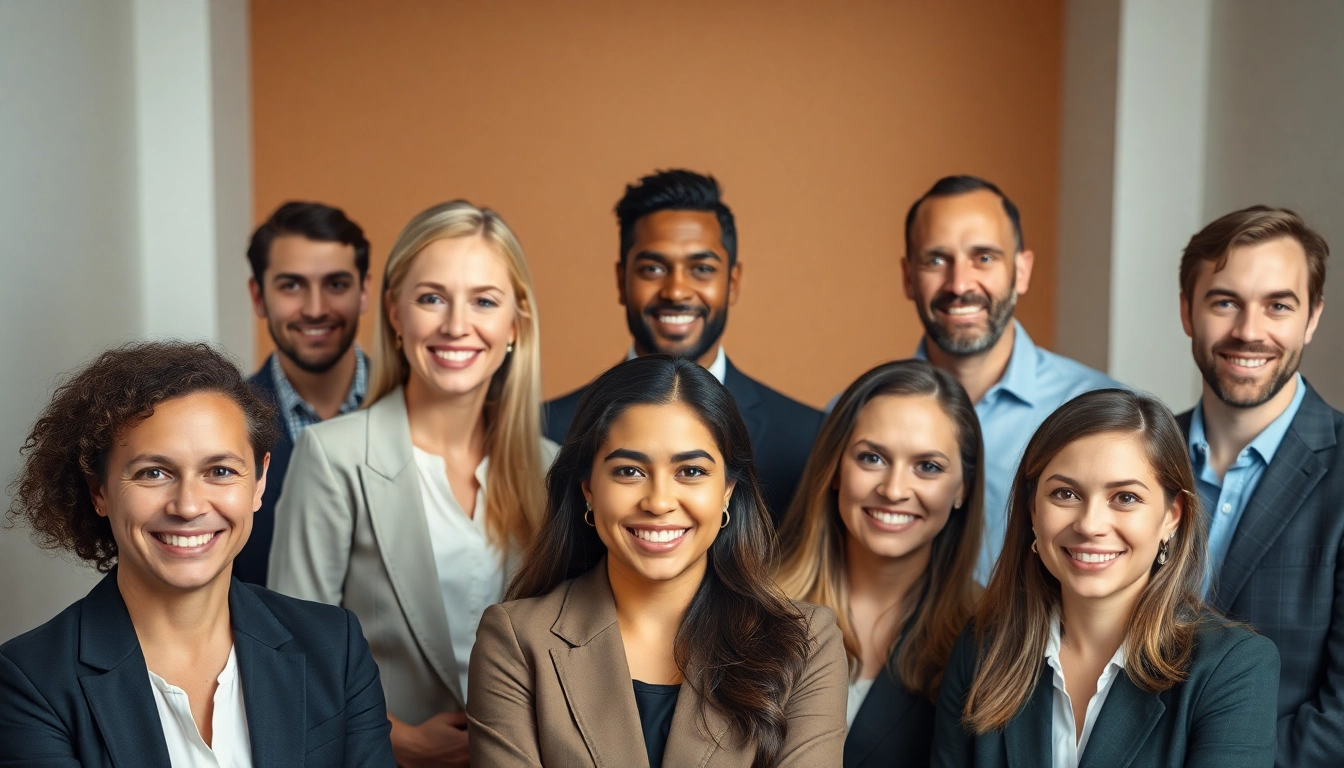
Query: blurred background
{"x":141,"y":141}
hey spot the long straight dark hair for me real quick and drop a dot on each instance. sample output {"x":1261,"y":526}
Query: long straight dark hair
{"x":742,"y":645}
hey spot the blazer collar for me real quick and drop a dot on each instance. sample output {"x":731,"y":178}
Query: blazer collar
{"x":1027,"y":736}
{"x":274,"y":687}
{"x":883,"y":708}
{"x":1122,"y":725}
{"x":748,"y":401}
{"x":388,"y":446}
{"x":589,"y":608}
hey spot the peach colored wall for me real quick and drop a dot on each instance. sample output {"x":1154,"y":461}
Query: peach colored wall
{"x":823,"y":121}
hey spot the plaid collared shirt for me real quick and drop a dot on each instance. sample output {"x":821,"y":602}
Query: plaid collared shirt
{"x":298,"y":413}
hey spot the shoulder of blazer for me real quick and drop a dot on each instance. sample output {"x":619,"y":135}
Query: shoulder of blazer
{"x":378,"y":435}
{"x":534,"y":619}
{"x":748,"y":391}
{"x":558,"y":414}
{"x":49,"y":654}
{"x":1216,"y":637}
{"x":275,"y":619}
{"x":1318,"y":424}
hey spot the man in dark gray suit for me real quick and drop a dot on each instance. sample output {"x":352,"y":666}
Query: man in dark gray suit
{"x":1268,"y":462}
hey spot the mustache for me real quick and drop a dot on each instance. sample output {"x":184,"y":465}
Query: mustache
{"x":675,"y":309}
{"x":1232,"y":347}
{"x":946,"y":300}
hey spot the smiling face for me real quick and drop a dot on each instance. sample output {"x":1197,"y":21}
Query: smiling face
{"x":1249,"y":321}
{"x":658,"y":489}
{"x":311,"y":300}
{"x":676,"y":285}
{"x":180,"y":492}
{"x":964,"y":272}
{"x":1099,"y":515}
{"x":900,"y":475}
{"x":455,"y":311}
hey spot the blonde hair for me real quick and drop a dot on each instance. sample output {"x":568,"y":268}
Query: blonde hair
{"x":812,"y":535}
{"x":515,"y":495}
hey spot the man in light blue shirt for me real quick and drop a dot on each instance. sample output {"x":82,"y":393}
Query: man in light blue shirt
{"x":964,"y":268}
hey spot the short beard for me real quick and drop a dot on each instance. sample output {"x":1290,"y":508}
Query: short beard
{"x":715,"y":323}
{"x":1000,"y":315}
{"x":1206,"y":358}
{"x":321,"y":365}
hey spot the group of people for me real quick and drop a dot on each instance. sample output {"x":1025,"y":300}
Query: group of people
{"x":986,"y":555}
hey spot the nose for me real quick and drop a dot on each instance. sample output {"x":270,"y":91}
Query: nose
{"x":1095,"y":519}
{"x":314,"y":304}
{"x":1248,"y":326}
{"x":891,"y":488}
{"x":675,"y":289}
{"x":960,"y":277}
{"x":455,"y":321}
{"x":660,"y":499}
{"x":189,"y":502}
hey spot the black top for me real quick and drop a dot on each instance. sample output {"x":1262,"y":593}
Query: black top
{"x":656,"y":704}
{"x":250,"y":564}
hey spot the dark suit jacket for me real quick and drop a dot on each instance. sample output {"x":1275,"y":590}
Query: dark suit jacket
{"x":1221,"y":716}
{"x":250,"y":565}
{"x":892,"y":727}
{"x":781,"y":430}
{"x":1284,"y":575}
{"x":75,"y":691}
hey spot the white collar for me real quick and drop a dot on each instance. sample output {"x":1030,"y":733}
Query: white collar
{"x":718,"y":369}
{"x":1053,"y":645}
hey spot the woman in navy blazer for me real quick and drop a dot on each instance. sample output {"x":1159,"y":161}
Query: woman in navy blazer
{"x":149,"y":464}
{"x":1091,"y":646}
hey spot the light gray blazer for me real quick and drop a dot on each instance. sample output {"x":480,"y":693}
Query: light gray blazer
{"x":350,"y":530}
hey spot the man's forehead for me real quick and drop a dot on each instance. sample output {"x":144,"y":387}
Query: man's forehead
{"x":296,"y":254}
{"x":1274,"y":265}
{"x":678,"y":227}
{"x":979,"y":214}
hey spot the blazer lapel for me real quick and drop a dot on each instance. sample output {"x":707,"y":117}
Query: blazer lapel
{"x":1288,"y":480}
{"x":882,"y":709}
{"x":397,"y":513}
{"x":1027,"y":737}
{"x":274,"y":688}
{"x":695,"y":734}
{"x":595,"y":677}
{"x":748,"y":401}
{"x":1122,"y":726}
{"x":119,"y":696}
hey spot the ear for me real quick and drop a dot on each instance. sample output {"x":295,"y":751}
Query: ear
{"x":1313,"y":321}
{"x":1172,"y":519}
{"x":1187,"y":323}
{"x":620,"y":282}
{"x":261,"y":482}
{"x":587,"y":491}
{"x":258,"y":300}
{"x":906,"y":279}
{"x":1025,"y":261}
{"x":97,"y":492}
{"x":728,"y":492}
{"x":734,"y":282}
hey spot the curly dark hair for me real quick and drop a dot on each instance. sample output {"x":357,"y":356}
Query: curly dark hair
{"x":70,"y":443}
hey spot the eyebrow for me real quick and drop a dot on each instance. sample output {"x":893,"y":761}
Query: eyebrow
{"x":663,"y":259}
{"x":304,"y":278}
{"x":629,"y":455}
{"x":882,"y":449}
{"x":1115,"y":484}
{"x":444,"y":289}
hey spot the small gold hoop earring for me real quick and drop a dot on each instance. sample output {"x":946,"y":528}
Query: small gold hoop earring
{"x":1033,"y":547}
{"x":398,"y":341}
{"x":726,"y":518}
{"x":588,"y":514}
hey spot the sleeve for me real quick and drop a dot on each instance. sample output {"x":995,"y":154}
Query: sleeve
{"x":314,"y":525}
{"x":952,"y":745}
{"x":368,"y":732}
{"x":1234,"y":719}
{"x":1311,"y":735}
{"x":816,"y":707}
{"x":31,"y":735}
{"x":501,"y":712}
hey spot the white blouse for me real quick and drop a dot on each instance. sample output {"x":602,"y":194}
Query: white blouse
{"x":471,"y":569}
{"x":858,"y":691}
{"x":1065,"y":750}
{"x":230,"y":746}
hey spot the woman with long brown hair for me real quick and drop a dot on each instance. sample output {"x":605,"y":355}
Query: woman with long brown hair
{"x":1091,"y":645}
{"x":644,"y":628}
{"x":884,"y":531}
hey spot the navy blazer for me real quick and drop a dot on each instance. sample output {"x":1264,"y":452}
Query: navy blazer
{"x":1220,"y":716}
{"x":250,"y":564}
{"x":893,"y":726}
{"x":781,"y":431}
{"x":1284,"y":575}
{"x":76,"y":691}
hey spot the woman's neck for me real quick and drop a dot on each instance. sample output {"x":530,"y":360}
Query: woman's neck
{"x":1095,"y":628}
{"x":168,"y":618}
{"x":446,"y":425}
{"x":882,"y":580}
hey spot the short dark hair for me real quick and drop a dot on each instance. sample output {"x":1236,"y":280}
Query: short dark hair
{"x":314,"y":221}
{"x":1249,"y":226}
{"x":950,"y":186}
{"x":73,"y":437}
{"x":675,"y":190}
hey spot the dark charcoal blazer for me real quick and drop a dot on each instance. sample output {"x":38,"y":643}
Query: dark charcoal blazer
{"x":76,"y":692}
{"x":1221,"y":716}
{"x":781,"y":430}
{"x":1284,"y":575}
{"x":892,"y":727}
{"x":250,"y":564}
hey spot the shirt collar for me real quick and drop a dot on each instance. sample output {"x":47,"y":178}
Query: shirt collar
{"x":718,"y":368}
{"x":1055,"y":642}
{"x":1265,"y":444}
{"x":1019,"y":378}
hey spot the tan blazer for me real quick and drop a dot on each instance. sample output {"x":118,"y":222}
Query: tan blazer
{"x":350,"y":530}
{"x":550,"y":686}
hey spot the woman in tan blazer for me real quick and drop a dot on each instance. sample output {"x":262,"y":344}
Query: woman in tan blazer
{"x":408,"y":512}
{"x":643,"y":628}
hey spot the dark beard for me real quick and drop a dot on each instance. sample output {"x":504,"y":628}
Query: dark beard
{"x":321,"y":365}
{"x":638,"y":323}
{"x":1224,"y":388}
{"x":1000,"y":314}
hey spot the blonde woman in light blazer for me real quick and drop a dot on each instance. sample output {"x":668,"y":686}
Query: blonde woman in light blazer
{"x":410,"y":511}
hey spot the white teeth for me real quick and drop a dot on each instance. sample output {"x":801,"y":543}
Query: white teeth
{"x":1246,"y":362}
{"x":891,"y":518}
{"x":455,"y":355}
{"x":186,"y":541}
{"x":661,"y":536}
{"x":963,"y":310}
{"x":1093,"y":557}
{"x":677,"y":319}
{"x":316,"y":331}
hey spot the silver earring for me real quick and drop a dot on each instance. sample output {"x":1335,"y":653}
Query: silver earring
{"x":726,"y":517}
{"x":1033,"y":546}
{"x":509,"y":348}
{"x":1164,"y":550}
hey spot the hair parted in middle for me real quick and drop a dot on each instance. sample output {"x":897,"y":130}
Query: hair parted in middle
{"x":812,"y":535}
{"x":718,"y":647}
{"x":1012,"y":624}
{"x":514,"y":497}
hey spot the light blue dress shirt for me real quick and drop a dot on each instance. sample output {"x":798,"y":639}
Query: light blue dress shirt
{"x":1036,"y":382}
{"x":1225,"y":501}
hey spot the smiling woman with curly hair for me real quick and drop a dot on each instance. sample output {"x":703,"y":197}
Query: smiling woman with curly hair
{"x":149,"y":464}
